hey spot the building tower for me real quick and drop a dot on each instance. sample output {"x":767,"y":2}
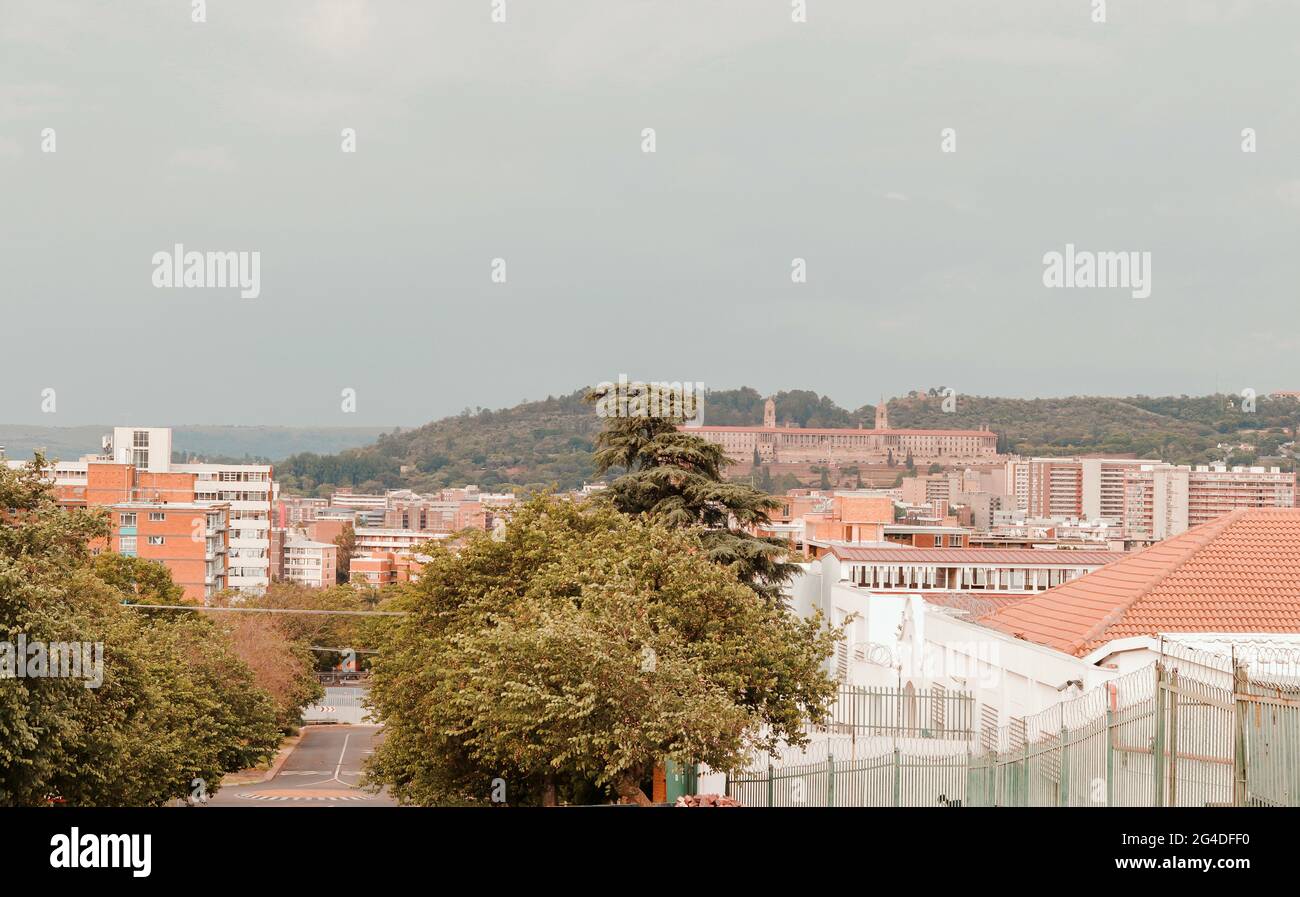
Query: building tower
{"x":769,"y":414}
{"x":882,"y":415}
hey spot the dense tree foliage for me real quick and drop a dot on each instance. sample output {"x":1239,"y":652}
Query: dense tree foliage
{"x":675,"y":477}
{"x":171,"y":700}
{"x":570,"y":654}
{"x":534,"y":444}
{"x":324,"y":631}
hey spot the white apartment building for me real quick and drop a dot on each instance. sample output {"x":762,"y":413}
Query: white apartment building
{"x":1155,"y":500}
{"x":377,"y":539}
{"x":248,"y":488}
{"x":1163,"y":500}
{"x":310,"y":563}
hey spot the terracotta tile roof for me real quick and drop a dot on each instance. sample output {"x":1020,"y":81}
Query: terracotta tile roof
{"x":1238,"y":573}
{"x":1018,"y":557}
{"x":976,"y":606}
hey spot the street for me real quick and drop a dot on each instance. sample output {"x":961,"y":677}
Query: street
{"x":322,"y":771}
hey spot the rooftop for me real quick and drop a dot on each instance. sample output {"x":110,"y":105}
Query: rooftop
{"x":1019,"y":557}
{"x":1238,"y":573}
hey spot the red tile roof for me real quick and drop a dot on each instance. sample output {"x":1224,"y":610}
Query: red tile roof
{"x":1238,"y":573}
{"x":1013,"y":557}
{"x":975,"y":605}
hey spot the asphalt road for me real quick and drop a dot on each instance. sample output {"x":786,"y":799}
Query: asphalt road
{"x":322,"y":771}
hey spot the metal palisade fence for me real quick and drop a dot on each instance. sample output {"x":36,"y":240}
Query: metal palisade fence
{"x":1154,"y":737}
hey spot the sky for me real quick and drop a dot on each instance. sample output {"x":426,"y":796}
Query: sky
{"x":774,"y":140}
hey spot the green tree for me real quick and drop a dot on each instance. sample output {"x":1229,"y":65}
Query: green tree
{"x":145,"y":581}
{"x":572,"y":654}
{"x":347,"y":545}
{"x":675,"y":478}
{"x":166,"y":702}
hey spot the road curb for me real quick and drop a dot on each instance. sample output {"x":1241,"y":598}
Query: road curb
{"x":286,"y":748}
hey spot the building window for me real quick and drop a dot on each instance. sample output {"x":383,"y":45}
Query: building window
{"x":140,"y":448}
{"x":157,"y":516}
{"x":155,"y":540}
{"x":126,"y":545}
{"x":126,"y":519}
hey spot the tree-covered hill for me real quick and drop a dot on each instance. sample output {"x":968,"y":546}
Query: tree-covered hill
{"x":549,"y":442}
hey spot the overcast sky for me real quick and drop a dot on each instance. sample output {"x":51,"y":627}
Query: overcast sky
{"x":523,"y":141}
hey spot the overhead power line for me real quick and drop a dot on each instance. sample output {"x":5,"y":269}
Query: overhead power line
{"x":270,"y":610}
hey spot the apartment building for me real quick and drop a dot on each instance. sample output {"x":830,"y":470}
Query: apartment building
{"x":378,"y":539}
{"x":1163,"y":500}
{"x":1156,"y":500}
{"x":310,"y":563}
{"x":1214,"y":490}
{"x":136,"y":465}
{"x":927,"y":488}
{"x":1071,"y":487}
{"x":428,"y":516}
{"x":382,"y":568}
{"x":190,"y":538}
{"x":368,"y":508}
{"x":300,"y":509}
{"x":439,"y":514}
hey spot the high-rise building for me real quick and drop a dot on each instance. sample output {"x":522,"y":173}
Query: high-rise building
{"x":136,"y":466}
{"x":190,"y":538}
{"x":1091,"y":488}
{"x":1155,"y":501}
{"x":1163,"y":500}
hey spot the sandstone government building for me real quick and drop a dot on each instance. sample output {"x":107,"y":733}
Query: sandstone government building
{"x":790,"y":444}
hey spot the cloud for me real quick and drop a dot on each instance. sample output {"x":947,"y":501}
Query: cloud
{"x":1011,"y":49}
{"x":25,"y":101}
{"x":1289,"y":192}
{"x":338,"y":27}
{"x":207,"y":158}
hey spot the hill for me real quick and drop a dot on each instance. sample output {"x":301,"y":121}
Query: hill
{"x":549,"y":442}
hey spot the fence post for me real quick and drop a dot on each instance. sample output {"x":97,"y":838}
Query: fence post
{"x":1112,"y":702}
{"x":898,"y":779}
{"x":1241,"y":712}
{"x":769,"y":783}
{"x":991,"y":779}
{"x":830,"y":780}
{"x":1063,"y":787}
{"x":1158,"y":749}
{"x":1024,"y":776}
{"x":1173,"y":738}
